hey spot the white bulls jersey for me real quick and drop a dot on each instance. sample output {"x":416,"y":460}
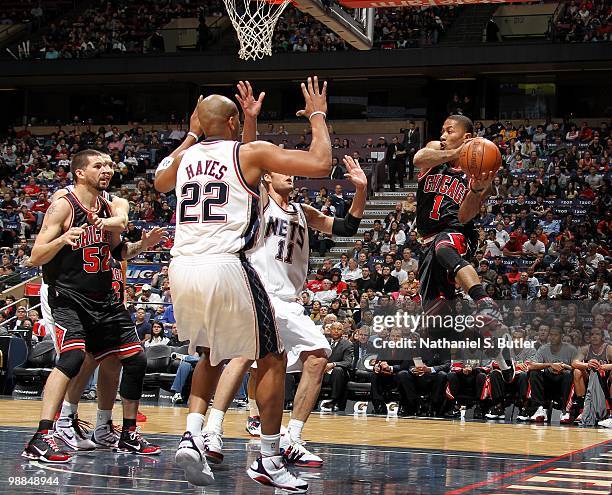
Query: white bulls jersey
{"x":217,"y":212}
{"x":281,"y":260}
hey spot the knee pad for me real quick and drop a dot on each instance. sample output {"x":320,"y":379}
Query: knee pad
{"x":134,"y":369}
{"x":450,"y":259}
{"x":70,"y":362}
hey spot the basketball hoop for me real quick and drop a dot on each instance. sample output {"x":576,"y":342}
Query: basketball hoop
{"x":254,"y":22}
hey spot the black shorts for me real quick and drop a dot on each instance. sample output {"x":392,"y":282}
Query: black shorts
{"x":436,"y":284}
{"x":102,"y":328}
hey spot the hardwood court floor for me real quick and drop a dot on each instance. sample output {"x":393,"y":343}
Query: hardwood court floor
{"x":362,"y":455}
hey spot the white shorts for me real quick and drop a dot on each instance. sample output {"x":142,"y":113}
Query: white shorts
{"x":220,"y":303}
{"x":298,"y":332}
{"x":45,"y":312}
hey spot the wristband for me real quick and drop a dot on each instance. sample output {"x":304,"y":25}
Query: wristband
{"x":318,"y":112}
{"x":164,"y":164}
{"x":194,"y":135}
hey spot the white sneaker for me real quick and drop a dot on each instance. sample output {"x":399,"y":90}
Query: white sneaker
{"x":106,"y":436}
{"x":74,"y":433}
{"x":253,"y":426}
{"x":606,"y":423}
{"x":177,"y":398}
{"x":189,"y":457}
{"x":578,"y":419}
{"x":539,"y":416}
{"x":213,"y":446}
{"x":566,"y":418}
{"x":272,"y":471}
{"x":297,"y":454}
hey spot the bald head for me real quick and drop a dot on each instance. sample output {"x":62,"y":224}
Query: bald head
{"x":219,"y":117}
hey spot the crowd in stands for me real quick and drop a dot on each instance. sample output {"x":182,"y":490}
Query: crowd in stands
{"x":394,"y":28}
{"x":587,"y":21}
{"x":116,"y":27}
{"x":544,"y":235}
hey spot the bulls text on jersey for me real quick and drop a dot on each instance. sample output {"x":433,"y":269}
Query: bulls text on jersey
{"x":451,"y":187}
{"x":92,"y":235}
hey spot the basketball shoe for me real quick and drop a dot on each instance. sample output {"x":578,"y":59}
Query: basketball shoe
{"x":272,"y":471}
{"x":106,"y":436}
{"x":42,"y":447}
{"x":190,"y":457}
{"x":132,"y":442}
{"x":297,"y":454}
{"x":74,"y":433}
{"x":213,"y":446}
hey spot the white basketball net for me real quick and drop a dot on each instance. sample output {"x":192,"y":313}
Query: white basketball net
{"x":254,"y":22}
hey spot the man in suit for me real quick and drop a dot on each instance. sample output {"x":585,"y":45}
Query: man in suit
{"x":386,"y":369}
{"x":337,"y":170}
{"x":395,"y":158}
{"x":431,"y":378}
{"x":338,"y":366}
{"x":412,"y":142}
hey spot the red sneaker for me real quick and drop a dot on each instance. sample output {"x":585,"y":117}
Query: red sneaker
{"x":42,"y":447}
{"x":140,"y":418}
{"x":132,"y":442}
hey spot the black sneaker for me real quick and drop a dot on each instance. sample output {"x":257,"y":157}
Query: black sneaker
{"x":131,"y":442}
{"x":42,"y":447}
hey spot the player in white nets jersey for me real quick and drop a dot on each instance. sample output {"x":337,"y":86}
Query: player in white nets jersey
{"x":282,"y":263}
{"x":219,"y":300}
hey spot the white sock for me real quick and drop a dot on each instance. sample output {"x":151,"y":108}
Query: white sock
{"x":294,"y":428}
{"x":68,"y":409}
{"x":195,"y":422}
{"x":103,"y":417}
{"x":253,"y":409}
{"x":215,"y":421}
{"x":502,"y":362}
{"x":270,"y":445}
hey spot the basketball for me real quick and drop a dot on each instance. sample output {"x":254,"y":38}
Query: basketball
{"x":478,"y":156}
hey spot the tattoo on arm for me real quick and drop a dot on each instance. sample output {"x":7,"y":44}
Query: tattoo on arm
{"x":132,"y":249}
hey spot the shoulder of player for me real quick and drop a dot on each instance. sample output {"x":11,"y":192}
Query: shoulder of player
{"x":59,"y":208}
{"x":60,"y":193}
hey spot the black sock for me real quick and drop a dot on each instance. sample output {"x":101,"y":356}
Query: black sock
{"x":45,"y":425}
{"x":128,"y":423}
{"x":477,"y":292}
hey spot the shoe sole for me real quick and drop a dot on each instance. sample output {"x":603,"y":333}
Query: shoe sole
{"x":118,"y":450}
{"x":262,"y":479}
{"x":255,"y":435}
{"x":33,"y":457}
{"x":193,"y":470}
{"x":214,"y":457}
{"x":311,"y":464}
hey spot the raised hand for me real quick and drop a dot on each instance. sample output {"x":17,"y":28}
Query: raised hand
{"x":315,"y":98}
{"x":153,"y":237}
{"x":250,"y":106}
{"x":354,"y":173}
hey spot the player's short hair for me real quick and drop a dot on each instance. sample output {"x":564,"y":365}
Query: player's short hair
{"x":81,"y":159}
{"x":465,"y":122}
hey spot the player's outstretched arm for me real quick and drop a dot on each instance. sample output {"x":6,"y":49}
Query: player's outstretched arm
{"x":348,"y":225}
{"x":433,"y":155}
{"x":123,"y":250}
{"x":165,"y":175}
{"x":316,"y":162}
{"x":251,"y":108}
{"x":51,"y":237}
{"x":480,"y":190}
